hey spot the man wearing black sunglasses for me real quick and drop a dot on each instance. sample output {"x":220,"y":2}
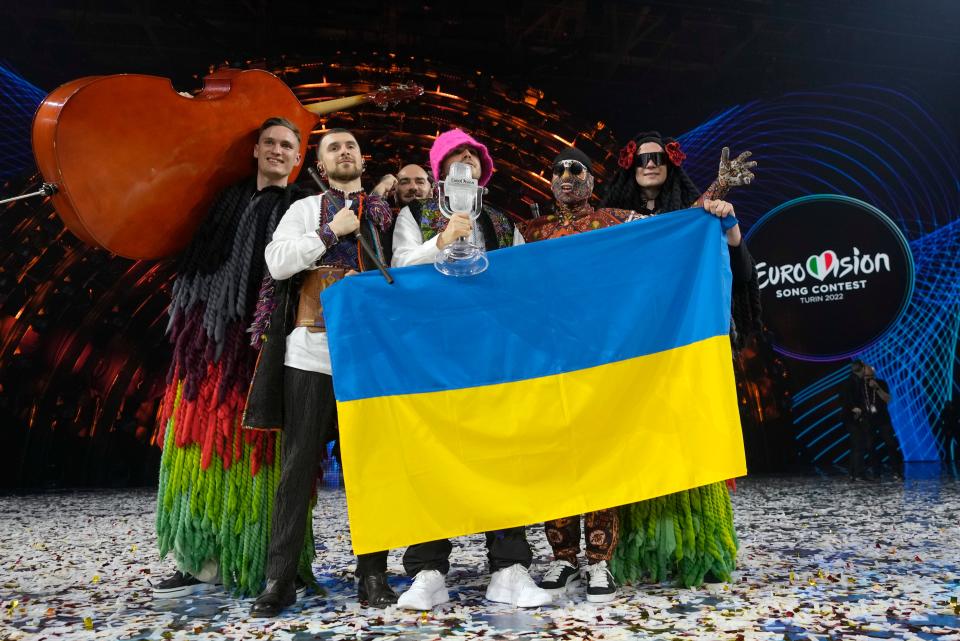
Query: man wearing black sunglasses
{"x":572,"y":185}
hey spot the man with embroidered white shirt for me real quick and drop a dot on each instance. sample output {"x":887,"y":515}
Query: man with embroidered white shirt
{"x":315,"y":241}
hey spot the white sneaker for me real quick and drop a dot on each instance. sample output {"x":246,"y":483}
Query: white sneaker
{"x":514,"y":585}
{"x":428,"y":590}
{"x":601,"y":587}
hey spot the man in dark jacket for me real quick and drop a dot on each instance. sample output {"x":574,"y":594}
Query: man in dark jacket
{"x":865,"y":399}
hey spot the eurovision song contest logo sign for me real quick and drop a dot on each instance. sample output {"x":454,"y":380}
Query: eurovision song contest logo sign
{"x":835,"y":275}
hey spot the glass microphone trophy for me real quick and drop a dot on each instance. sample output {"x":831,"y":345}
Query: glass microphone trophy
{"x":461,"y":194}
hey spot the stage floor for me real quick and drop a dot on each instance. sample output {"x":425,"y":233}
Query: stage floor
{"x":820,"y":558}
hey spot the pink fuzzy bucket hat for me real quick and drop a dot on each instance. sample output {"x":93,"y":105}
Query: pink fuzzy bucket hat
{"x":450,"y":140}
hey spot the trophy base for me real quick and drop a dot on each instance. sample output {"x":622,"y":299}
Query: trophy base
{"x":461,"y":259}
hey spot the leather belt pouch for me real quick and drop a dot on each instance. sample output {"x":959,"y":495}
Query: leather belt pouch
{"x":309,"y":308}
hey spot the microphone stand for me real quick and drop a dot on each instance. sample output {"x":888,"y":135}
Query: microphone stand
{"x":46,"y":189}
{"x":363,"y":241}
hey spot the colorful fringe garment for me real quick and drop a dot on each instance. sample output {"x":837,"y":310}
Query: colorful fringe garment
{"x":217,"y":480}
{"x":687,"y":536}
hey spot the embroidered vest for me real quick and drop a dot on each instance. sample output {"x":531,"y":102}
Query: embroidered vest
{"x":339,"y":258}
{"x":496,"y":227}
{"x":346,"y":253}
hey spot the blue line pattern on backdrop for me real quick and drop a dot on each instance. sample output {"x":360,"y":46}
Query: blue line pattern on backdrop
{"x":880,"y":145}
{"x":18,"y":102}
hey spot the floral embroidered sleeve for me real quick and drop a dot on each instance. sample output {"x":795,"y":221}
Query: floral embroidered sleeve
{"x":328,"y":236}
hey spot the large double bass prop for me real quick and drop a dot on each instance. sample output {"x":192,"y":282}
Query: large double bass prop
{"x":136,"y":165}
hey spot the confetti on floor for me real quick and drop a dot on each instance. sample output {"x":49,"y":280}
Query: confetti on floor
{"x":820,"y":558}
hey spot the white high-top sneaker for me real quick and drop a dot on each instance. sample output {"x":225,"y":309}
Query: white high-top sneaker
{"x":429,"y":589}
{"x":560,"y":577}
{"x":514,"y":585}
{"x":601,"y":587}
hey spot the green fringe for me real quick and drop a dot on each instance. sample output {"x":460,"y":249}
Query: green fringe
{"x":222,"y":514}
{"x":681,"y":537}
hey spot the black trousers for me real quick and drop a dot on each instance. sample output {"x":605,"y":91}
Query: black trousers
{"x":885,"y":431}
{"x":863,"y":441}
{"x":309,"y":421}
{"x":504,"y":548}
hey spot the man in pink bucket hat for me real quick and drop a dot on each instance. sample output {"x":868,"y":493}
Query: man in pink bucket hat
{"x":421,"y":232}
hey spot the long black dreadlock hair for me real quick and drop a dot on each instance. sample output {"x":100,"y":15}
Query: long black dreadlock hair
{"x":677,"y":192}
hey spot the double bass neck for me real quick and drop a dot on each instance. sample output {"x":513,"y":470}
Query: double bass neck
{"x":382,"y":97}
{"x":337,"y":104}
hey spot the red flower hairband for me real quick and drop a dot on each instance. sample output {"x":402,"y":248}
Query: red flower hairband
{"x":626,"y":155}
{"x":675,"y":154}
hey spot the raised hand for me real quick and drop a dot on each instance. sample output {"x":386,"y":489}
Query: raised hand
{"x":386,"y":186}
{"x":736,"y":172}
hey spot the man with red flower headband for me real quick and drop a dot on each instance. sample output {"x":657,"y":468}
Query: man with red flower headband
{"x":689,"y":535}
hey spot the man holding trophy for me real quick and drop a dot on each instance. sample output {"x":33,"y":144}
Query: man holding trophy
{"x":423,"y":230}
{"x":454,"y":231}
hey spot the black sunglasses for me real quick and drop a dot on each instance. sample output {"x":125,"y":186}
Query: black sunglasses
{"x":575,"y":167}
{"x":659,"y":159}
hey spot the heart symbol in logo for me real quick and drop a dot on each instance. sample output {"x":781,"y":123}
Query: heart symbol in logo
{"x":820,"y":266}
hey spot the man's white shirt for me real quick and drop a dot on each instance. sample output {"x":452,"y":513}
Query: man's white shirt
{"x":296,"y":247}
{"x":409,"y":248}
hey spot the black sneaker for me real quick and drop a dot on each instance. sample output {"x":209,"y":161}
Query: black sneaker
{"x":600,"y":584}
{"x":180,"y":585}
{"x":559,"y":577}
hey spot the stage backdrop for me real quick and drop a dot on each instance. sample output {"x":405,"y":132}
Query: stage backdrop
{"x":880,"y":146}
{"x":835,"y":275}
{"x":83,"y":355}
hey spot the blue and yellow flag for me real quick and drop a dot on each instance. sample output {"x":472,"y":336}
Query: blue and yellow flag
{"x":573,"y":375}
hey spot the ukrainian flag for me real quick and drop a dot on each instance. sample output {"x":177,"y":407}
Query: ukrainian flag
{"x":573,"y":375}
